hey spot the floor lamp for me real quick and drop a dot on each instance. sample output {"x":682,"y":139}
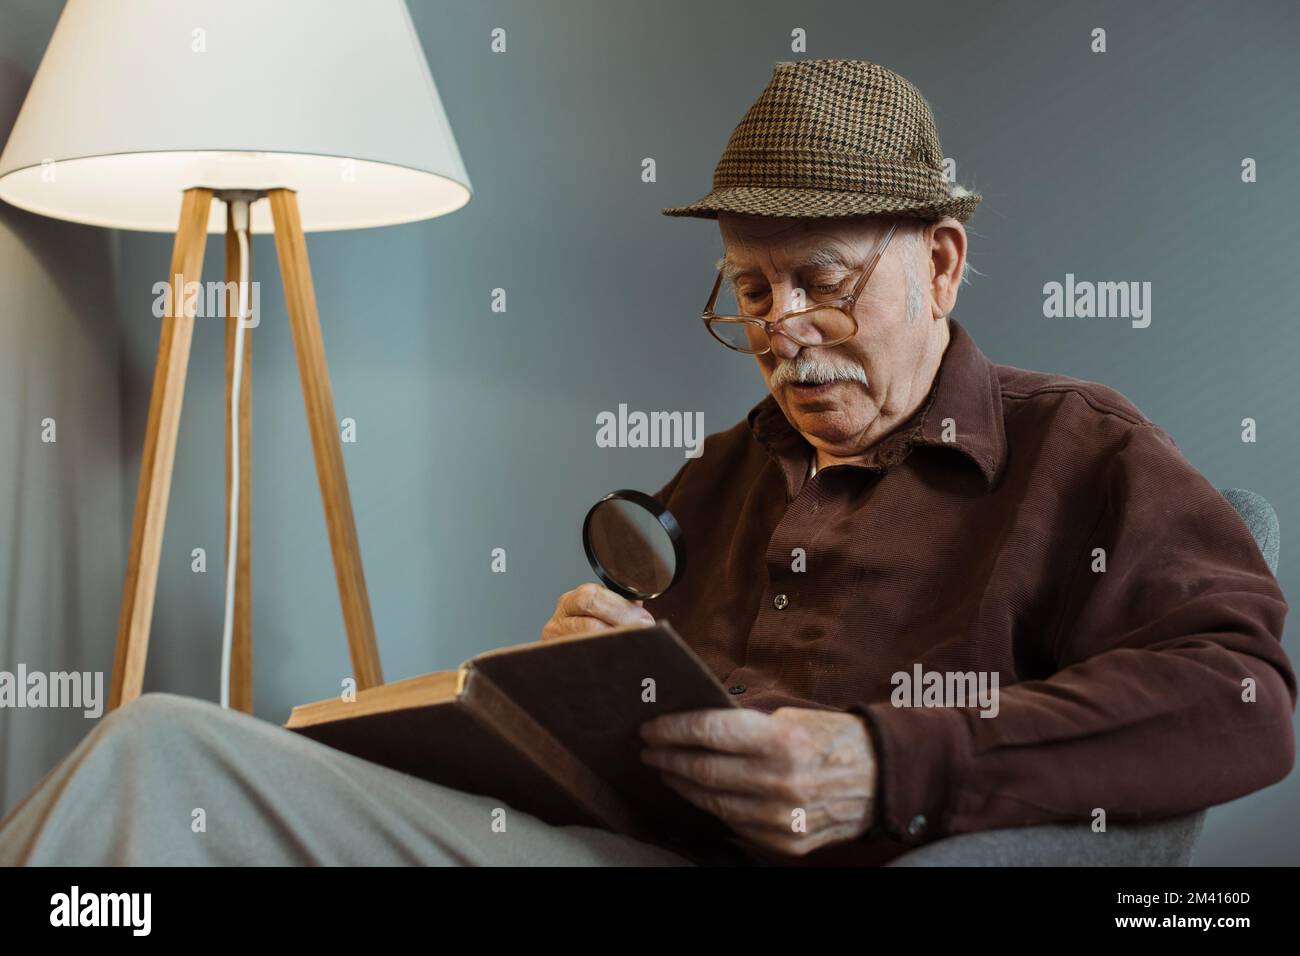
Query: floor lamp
{"x":293,"y":118}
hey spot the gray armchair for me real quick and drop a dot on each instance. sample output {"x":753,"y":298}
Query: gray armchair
{"x":1160,"y":843}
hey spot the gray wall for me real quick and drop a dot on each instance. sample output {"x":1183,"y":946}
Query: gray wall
{"x":62,"y":545}
{"x":476,"y":430}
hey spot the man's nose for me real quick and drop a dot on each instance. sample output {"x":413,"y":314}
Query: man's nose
{"x":783,"y":346}
{"x":784,"y":299}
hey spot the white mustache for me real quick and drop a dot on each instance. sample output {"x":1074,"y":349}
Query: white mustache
{"x":806,"y":369}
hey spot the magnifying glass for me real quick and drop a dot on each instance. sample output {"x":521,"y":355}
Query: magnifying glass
{"x":634,"y":544}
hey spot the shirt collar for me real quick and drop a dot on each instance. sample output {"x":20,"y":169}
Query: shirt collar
{"x":965,"y":390}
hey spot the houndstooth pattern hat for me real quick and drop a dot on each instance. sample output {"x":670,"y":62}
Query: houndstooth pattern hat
{"x":834,"y":137}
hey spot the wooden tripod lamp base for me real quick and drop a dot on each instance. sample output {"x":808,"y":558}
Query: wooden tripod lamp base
{"x":159,"y":456}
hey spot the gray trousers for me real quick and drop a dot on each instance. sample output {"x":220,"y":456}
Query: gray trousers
{"x":169,"y":780}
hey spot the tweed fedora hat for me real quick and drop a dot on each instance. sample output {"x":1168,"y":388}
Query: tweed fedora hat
{"x":834,"y":137}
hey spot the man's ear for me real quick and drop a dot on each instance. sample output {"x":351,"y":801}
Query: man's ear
{"x":946,"y":243}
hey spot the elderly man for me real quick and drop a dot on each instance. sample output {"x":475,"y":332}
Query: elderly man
{"x":898,"y":505}
{"x":897,"y":510}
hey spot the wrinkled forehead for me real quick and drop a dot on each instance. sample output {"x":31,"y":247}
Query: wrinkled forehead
{"x":765,"y":244}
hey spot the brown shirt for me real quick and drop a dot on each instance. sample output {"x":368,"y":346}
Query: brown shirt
{"x":971,"y":545}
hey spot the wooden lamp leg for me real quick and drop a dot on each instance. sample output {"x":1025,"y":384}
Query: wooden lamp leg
{"x":241,"y":652}
{"x":300,"y":298}
{"x":158,"y":455}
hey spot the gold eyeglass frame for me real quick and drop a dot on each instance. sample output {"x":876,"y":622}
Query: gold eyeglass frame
{"x":844,"y":303}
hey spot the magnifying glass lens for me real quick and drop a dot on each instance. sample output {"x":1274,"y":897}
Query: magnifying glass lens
{"x":633,"y":544}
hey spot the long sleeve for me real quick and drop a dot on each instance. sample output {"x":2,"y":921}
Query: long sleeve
{"x":1171,"y":691}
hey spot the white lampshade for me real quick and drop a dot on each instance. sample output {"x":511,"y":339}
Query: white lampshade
{"x":138,"y":100}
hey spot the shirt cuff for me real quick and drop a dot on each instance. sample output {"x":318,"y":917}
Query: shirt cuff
{"x":922,"y":754}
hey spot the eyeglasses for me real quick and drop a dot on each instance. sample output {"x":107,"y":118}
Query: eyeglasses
{"x":812,"y":326}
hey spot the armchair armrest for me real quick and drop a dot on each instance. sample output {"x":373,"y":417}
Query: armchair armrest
{"x":1158,"y":843}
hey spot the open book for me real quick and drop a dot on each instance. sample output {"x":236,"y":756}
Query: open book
{"x":551,"y":728}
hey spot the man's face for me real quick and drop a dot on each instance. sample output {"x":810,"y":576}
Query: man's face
{"x":842,"y":398}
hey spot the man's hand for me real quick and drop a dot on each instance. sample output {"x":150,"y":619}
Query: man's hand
{"x":756,"y":771}
{"x":590,"y":607}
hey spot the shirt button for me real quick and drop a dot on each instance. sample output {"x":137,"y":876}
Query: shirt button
{"x":780,"y":601}
{"x":916,"y":825}
{"x":736,"y":690}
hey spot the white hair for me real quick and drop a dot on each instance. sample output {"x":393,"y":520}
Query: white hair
{"x":911,"y":231}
